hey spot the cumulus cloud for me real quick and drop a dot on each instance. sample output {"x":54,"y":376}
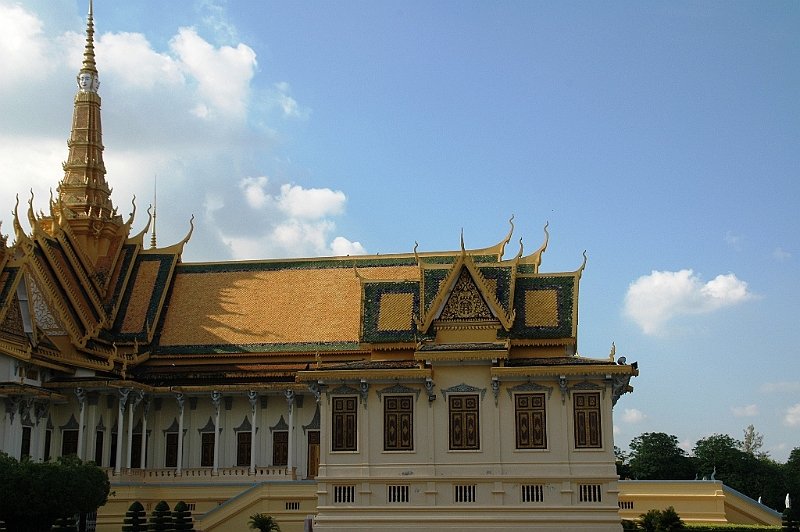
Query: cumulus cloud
{"x":632,"y":415}
{"x":24,"y":46}
{"x":653,"y":300}
{"x":792,"y":416}
{"x":745,"y":411}
{"x":190,"y":112}
{"x":294,"y":221}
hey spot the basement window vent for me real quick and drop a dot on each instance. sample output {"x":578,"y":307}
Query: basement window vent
{"x":532,"y":493}
{"x":293,"y":505}
{"x":626,"y":505}
{"x":589,"y":492}
{"x":464,"y":493}
{"x":344,"y":494}
{"x":190,"y":506}
{"x":397,"y":493}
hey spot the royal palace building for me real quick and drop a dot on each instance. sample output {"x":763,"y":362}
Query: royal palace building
{"x":426,"y":390}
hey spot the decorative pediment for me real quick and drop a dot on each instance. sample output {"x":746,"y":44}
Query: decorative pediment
{"x":464,"y":295}
{"x":463,"y":388}
{"x":280,"y":425}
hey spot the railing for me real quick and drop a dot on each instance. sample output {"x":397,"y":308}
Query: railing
{"x":193,"y":475}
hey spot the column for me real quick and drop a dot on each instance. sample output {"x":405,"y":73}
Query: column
{"x":216,"y":397}
{"x":40,"y":412}
{"x":13,"y":442}
{"x":146,"y":410}
{"x":134,"y":402}
{"x":180,"y":398}
{"x":123,"y":399}
{"x":253,"y":396}
{"x":81,"y":393}
{"x":290,"y":454}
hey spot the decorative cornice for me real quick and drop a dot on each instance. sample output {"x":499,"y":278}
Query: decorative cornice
{"x":373,"y":375}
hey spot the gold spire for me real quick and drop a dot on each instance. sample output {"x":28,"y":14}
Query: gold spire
{"x":155,"y":192}
{"x":84,"y":197}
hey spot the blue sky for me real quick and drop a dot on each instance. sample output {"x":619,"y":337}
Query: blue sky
{"x":662,"y":138}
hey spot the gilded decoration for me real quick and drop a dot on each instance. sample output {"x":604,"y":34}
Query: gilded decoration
{"x":529,"y":387}
{"x":396,"y":389}
{"x":541,"y":308}
{"x":395,"y":312}
{"x":466,"y":302}
{"x":463,"y":388}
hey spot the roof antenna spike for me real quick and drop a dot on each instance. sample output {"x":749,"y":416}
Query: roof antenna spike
{"x":155,"y":191}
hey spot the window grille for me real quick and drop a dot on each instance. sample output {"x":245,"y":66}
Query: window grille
{"x":464,"y":493}
{"x":191,"y":506}
{"x":589,"y":492}
{"x":397,"y":493}
{"x":344,"y":494}
{"x":293,"y":505}
{"x":626,"y":505}
{"x":532,"y":493}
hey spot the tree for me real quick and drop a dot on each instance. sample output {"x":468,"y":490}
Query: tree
{"x":263,"y":523}
{"x":722,"y":456}
{"x":135,"y":518}
{"x":33,"y":495}
{"x":622,"y":460}
{"x":656,"y":456}
{"x":161,"y":518}
{"x":182,"y":518}
{"x":752,"y":442}
{"x":670,"y":520}
{"x":660,"y":521}
{"x":791,"y":474}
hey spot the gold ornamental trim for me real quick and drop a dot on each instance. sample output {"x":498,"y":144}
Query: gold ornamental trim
{"x":554,"y":371}
{"x":367,"y":374}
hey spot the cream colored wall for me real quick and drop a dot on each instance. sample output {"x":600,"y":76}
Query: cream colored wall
{"x":498,"y":468}
{"x":695,"y":502}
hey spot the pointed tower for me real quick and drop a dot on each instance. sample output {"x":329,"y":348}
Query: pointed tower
{"x":84,"y":201}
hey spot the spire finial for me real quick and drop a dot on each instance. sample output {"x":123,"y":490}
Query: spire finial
{"x":88,"y":81}
{"x":155,"y":191}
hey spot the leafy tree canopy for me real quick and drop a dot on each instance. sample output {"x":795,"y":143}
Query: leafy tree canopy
{"x":33,"y":495}
{"x":657,"y":456}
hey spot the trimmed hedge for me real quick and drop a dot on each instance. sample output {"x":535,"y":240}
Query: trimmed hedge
{"x":730,"y":528}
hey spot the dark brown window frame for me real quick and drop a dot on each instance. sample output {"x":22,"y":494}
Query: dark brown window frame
{"x":587,"y":419}
{"x":464,"y":422}
{"x":530,"y":410}
{"x":398,"y":423}
{"x":344,"y":425}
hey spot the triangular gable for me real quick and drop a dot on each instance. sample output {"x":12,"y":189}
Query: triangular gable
{"x":463,"y":295}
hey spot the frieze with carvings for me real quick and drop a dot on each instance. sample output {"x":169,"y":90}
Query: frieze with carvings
{"x":398,"y":389}
{"x":529,"y":387}
{"x":463,"y":388}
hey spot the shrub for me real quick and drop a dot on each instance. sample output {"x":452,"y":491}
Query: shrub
{"x":182,"y":518}
{"x":135,"y":518}
{"x":161,"y":518}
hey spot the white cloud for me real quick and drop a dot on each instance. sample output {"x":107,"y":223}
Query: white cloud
{"x":653,"y":300}
{"x":185,"y":113}
{"x":341,"y":246}
{"x":781,"y":254}
{"x":223,"y":74}
{"x":745,"y":411}
{"x":289,"y":105}
{"x":792,"y":416}
{"x":23,"y":46}
{"x":310,"y":203}
{"x":632,"y":415}
{"x":781,"y":387}
{"x":129,"y":57}
{"x":254,"y":191}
